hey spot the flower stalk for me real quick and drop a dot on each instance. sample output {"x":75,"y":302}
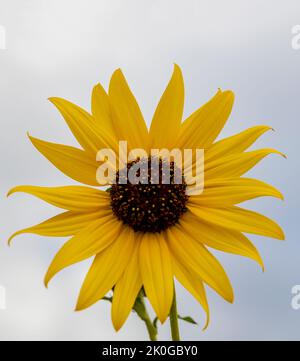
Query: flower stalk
{"x":174,"y":320}
{"x":140,"y":308}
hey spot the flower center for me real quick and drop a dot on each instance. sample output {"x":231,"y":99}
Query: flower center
{"x":149,"y":204}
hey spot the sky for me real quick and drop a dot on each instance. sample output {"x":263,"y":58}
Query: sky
{"x":63,"y":48}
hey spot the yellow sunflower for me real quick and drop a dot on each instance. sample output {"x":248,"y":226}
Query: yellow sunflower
{"x":142,"y":237}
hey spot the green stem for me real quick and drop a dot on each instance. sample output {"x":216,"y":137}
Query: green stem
{"x":140,"y":309}
{"x":174,"y":320}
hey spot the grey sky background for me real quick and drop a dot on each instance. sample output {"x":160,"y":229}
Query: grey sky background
{"x":62,"y":48}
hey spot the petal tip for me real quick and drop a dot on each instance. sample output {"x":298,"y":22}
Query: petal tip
{"x":162,"y":318}
{"x":79,"y":306}
{"x":31,"y":138}
{"x":177,"y":72}
{"x":262,"y":266}
{"x":96,"y":86}
{"x":117,"y":325}
{"x":117,"y":72}
{"x":11,"y":238}
{"x":47,"y":279}
{"x":284,"y":155}
{"x":12,"y":191}
{"x":229,"y":94}
{"x":205,"y":327}
{"x":282,"y":237}
{"x":56,"y":101}
{"x":52,"y":99}
{"x":230,"y":297}
{"x":177,"y":67}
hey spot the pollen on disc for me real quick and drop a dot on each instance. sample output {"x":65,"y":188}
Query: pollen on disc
{"x":149,"y":205}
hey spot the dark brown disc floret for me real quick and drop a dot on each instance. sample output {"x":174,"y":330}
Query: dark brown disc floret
{"x":149,"y":204}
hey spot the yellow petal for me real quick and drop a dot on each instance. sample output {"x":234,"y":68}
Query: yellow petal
{"x":157,"y":273}
{"x":195,"y":257}
{"x":73,"y":198}
{"x":127,"y":117}
{"x":193,"y":284}
{"x":166,"y":121}
{"x":90,"y":241}
{"x":235,"y":144}
{"x":126,"y":290}
{"x":219,"y":238}
{"x":64,"y":224}
{"x":201,"y":128}
{"x":224,"y":192}
{"x":101,"y":109}
{"x":84,"y":127}
{"x":75,"y":163}
{"x":107,"y":269}
{"x":239,"y":219}
{"x":237,"y":164}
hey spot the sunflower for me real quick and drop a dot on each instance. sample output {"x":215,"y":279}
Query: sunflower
{"x":142,"y":237}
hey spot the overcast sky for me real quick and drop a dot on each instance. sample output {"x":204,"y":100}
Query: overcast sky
{"x":62,"y":48}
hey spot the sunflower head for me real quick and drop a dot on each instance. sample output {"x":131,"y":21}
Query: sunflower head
{"x":148,"y":205}
{"x":144,"y":234}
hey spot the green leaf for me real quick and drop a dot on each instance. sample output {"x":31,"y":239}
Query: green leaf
{"x":187,"y":319}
